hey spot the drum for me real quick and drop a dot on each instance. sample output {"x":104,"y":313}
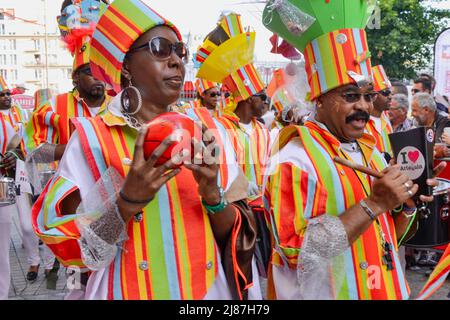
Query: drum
{"x":434,"y":229}
{"x":7,"y":192}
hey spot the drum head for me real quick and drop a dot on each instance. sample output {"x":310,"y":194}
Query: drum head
{"x":442,"y":188}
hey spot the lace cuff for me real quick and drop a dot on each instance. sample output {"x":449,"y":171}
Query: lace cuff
{"x":100,"y":224}
{"x":321,"y":268}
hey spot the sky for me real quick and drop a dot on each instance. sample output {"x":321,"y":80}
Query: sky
{"x":197,"y":17}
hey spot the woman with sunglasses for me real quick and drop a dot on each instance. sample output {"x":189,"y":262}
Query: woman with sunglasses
{"x":163,"y":232}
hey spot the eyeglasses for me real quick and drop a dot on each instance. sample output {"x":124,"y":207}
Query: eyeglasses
{"x":414,"y":91}
{"x":162,"y":48}
{"x":385,"y":93}
{"x":2,"y":94}
{"x":215,"y":94}
{"x":352,"y":97}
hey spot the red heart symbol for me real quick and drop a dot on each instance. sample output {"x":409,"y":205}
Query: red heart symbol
{"x":413,"y":156}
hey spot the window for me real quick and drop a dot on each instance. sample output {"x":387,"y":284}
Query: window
{"x":12,"y":44}
{"x":37,"y":44}
{"x":38,"y":74}
{"x":4,"y":74}
{"x":2,"y":16}
{"x":52,"y":58}
{"x":37,"y":58}
{"x":2,"y":29}
{"x":3,"y":59}
{"x":13,"y":59}
{"x":14,"y":74}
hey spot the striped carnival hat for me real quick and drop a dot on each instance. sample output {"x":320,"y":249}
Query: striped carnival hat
{"x":331,"y":36}
{"x":226,"y":56}
{"x":202,"y":85}
{"x":123,"y":22}
{"x":380,"y":79}
{"x":3,"y":85}
{"x":76,"y":24}
{"x":81,"y":56}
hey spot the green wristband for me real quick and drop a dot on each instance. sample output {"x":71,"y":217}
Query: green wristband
{"x":218,"y":207}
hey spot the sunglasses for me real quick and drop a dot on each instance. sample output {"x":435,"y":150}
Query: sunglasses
{"x":385,"y":93}
{"x":262,"y":96}
{"x":414,"y":91}
{"x":215,"y":94}
{"x":86,"y":71}
{"x":352,"y":97}
{"x":2,"y":94}
{"x":162,"y":48}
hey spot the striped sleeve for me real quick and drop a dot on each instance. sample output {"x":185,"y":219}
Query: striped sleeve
{"x":437,"y":278}
{"x":292,"y":197}
{"x":57,"y":230}
{"x":42,"y":128}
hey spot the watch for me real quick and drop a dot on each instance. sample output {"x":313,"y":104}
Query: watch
{"x":218,"y":207}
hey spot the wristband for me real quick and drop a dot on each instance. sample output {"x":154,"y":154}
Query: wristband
{"x":126,"y":199}
{"x":369,"y":211}
{"x":218,"y":207}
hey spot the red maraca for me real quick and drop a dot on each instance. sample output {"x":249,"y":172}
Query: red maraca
{"x":162,"y":127}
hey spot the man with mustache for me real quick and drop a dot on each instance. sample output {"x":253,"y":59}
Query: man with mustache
{"x":335,"y":230}
{"x":379,"y":125}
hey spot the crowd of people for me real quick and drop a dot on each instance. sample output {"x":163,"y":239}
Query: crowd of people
{"x":258,"y":206}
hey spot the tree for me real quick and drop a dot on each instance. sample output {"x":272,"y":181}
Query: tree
{"x":404,"y":42}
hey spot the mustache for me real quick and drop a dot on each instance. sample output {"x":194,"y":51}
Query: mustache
{"x":358,"y":115}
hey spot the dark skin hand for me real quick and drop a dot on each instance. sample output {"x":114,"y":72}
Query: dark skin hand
{"x":9,"y":161}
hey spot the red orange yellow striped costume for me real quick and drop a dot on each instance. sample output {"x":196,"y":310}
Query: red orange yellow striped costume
{"x":51,"y":122}
{"x":294,"y":196}
{"x":16,"y":116}
{"x":383,"y":143}
{"x":174,"y":236}
{"x":252,"y":150}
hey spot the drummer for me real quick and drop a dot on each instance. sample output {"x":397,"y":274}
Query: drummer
{"x":8,"y":164}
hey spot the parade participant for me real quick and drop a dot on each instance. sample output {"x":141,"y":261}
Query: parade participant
{"x":208,"y":96}
{"x":10,"y":111}
{"x":333,"y":234}
{"x":398,"y":113}
{"x":16,"y":117}
{"x":180,"y":234}
{"x":379,"y":125}
{"x":49,"y":129}
{"x":250,"y":138}
{"x":7,"y":163}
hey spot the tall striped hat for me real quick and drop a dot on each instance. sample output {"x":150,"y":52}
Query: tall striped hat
{"x":226,"y":56}
{"x":123,"y":22}
{"x":331,"y":36}
{"x":380,"y":79}
{"x":202,"y":85}
{"x":76,"y":24}
{"x":3,"y":84}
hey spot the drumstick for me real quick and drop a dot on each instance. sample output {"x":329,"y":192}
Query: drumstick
{"x":358,"y":167}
